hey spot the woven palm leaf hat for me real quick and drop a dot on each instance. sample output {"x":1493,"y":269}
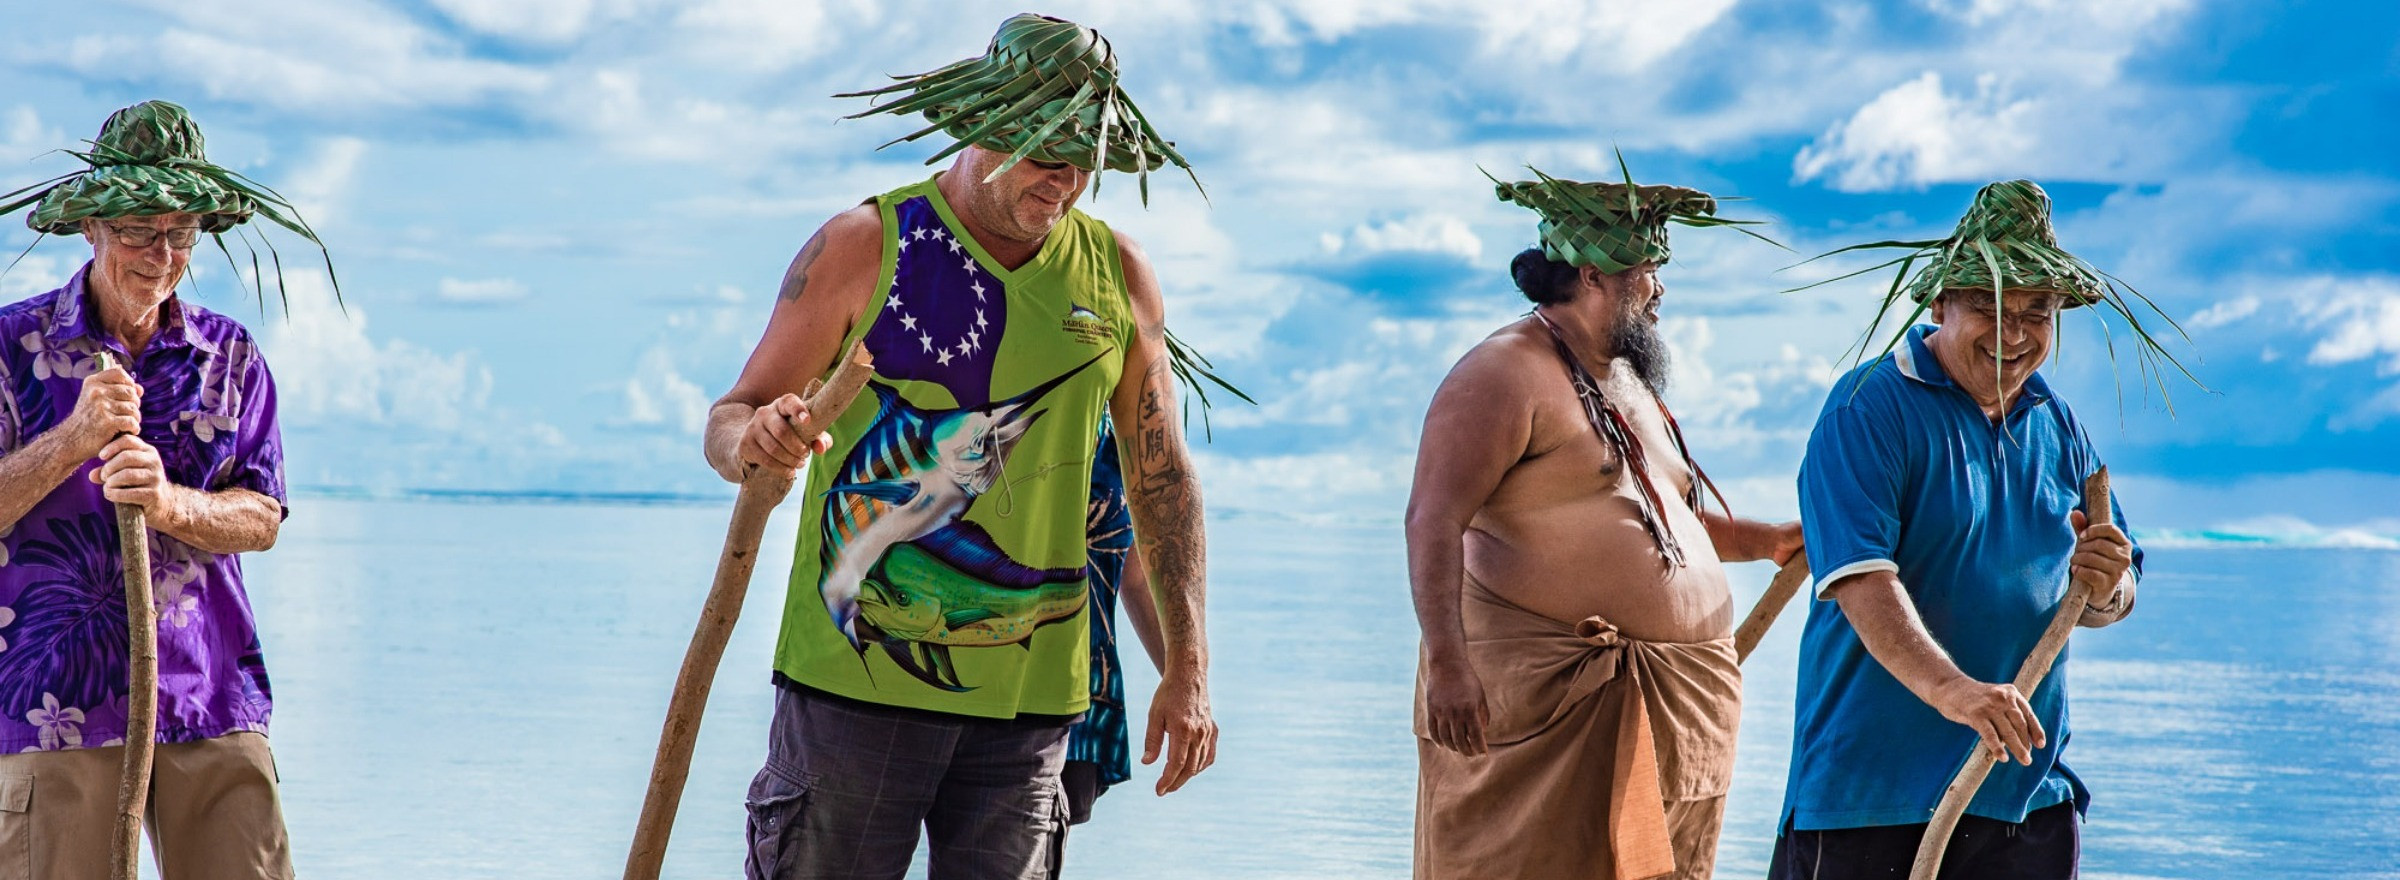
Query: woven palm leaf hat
{"x":2005,"y":243}
{"x":1046,"y":90}
{"x":150,"y":159}
{"x":1612,"y":226}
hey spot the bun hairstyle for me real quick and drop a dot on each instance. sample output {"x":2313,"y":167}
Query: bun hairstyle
{"x":1545,"y":281}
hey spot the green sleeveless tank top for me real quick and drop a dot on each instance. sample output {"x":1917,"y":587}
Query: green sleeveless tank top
{"x":940,"y":560}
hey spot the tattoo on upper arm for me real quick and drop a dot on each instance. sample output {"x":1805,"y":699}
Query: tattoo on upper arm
{"x":795,"y":278}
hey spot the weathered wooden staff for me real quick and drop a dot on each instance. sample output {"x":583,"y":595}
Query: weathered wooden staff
{"x":141,"y":710}
{"x":762,"y":489}
{"x":1762,"y":616}
{"x":2029,"y":676}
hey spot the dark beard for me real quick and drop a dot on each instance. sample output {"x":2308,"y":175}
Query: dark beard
{"x":1636,"y":340}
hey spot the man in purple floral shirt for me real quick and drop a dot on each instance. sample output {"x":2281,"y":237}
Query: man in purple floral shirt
{"x":179,"y":420}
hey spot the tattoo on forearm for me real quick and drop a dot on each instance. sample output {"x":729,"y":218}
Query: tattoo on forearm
{"x":796,"y":278}
{"x":1167,"y":511}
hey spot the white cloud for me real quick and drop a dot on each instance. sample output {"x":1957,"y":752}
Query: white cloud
{"x":331,"y":56}
{"x":318,"y":186}
{"x":695,"y":354}
{"x":330,"y":371}
{"x":1743,"y":407}
{"x":1417,"y":233}
{"x":1918,"y":133}
{"x":619,"y":109}
{"x":771,"y":34}
{"x":37,"y":273}
{"x":375,"y":412}
{"x":24,"y":141}
{"x":533,"y":21}
{"x":657,"y":395}
{"x":2223,"y":313}
{"x":2360,"y":320}
{"x":1336,"y":485}
{"x":2112,"y":17}
{"x":1619,"y":35}
{"x":480,"y":292}
{"x":22,"y":134}
{"x":1630,"y":35}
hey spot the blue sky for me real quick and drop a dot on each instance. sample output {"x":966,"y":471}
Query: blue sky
{"x":559,"y":222}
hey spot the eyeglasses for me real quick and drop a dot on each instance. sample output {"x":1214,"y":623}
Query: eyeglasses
{"x":2034,"y":320}
{"x":181,"y":238}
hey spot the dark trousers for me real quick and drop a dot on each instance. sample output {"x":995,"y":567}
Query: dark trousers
{"x":2046,"y":846}
{"x":848,"y":785}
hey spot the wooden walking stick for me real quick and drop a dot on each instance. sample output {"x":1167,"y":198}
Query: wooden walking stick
{"x":762,"y":489}
{"x":141,"y":711}
{"x":1762,"y":616}
{"x":2029,"y":676}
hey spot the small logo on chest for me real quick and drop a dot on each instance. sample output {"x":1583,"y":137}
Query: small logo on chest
{"x":1086,"y":326}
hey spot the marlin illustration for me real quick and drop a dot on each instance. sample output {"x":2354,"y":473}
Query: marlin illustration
{"x":902,"y":569}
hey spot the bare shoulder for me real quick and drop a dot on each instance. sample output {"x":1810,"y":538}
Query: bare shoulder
{"x":852,"y":236}
{"x":836,"y":267}
{"x":1504,"y":360}
{"x":860,"y":224}
{"x":1141,"y":282}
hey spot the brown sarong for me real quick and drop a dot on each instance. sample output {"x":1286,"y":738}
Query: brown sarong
{"x":1595,"y":741}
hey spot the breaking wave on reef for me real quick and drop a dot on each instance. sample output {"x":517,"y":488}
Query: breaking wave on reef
{"x":2279,"y":531}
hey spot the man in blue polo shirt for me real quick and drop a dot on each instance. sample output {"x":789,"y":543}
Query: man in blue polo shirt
{"x":1941,"y":500}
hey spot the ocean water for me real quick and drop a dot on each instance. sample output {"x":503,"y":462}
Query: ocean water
{"x":475,"y":690}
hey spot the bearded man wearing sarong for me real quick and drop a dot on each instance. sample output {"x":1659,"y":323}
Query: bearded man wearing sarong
{"x":1578,"y":691}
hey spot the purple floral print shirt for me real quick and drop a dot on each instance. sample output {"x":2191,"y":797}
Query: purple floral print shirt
{"x":208,"y":405}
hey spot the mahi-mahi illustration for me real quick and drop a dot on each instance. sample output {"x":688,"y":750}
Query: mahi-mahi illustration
{"x":902,"y":570}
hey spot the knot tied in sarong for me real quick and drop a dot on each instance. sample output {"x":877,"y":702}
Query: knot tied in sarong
{"x":1591,"y":734}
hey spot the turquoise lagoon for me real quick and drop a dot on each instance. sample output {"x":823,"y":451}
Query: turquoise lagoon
{"x":473,"y":687}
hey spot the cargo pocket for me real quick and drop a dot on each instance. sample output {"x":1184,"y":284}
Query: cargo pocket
{"x":16,"y":827}
{"x":1054,"y":847}
{"x":775,"y":805}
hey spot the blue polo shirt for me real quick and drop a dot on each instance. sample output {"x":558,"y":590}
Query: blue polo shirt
{"x":1905,"y":473}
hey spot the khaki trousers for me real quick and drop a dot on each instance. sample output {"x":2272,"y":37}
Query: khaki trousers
{"x":213,"y":813}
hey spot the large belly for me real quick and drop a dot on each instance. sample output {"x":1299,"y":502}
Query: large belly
{"x":1576,"y":555}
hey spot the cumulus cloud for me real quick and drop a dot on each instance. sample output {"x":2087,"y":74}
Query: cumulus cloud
{"x":771,"y":34}
{"x":335,"y":56}
{"x":533,"y":21}
{"x":2107,"y":17}
{"x":656,"y":395}
{"x":1417,"y":233}
{"x":1760,"y":411}
{"x":1622,"y":35}
{"x":2223,"y":313}
{"x":329,"y":370}
{"x":2361,"y":320}
{"x":1918,"y":133}
{"x":321,"y":182}
{"x":363,"y":409}
{"x":36,"y":273}
{"x":23,"y":134}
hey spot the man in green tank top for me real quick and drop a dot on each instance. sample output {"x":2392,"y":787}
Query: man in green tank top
{"x":934,"y":641}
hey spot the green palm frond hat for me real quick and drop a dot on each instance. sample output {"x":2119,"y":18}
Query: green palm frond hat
{"x":1046,"y":89}
{"x":1613,"y":226}
{"x":150,"y":159}
{"x":2006,"y":243}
